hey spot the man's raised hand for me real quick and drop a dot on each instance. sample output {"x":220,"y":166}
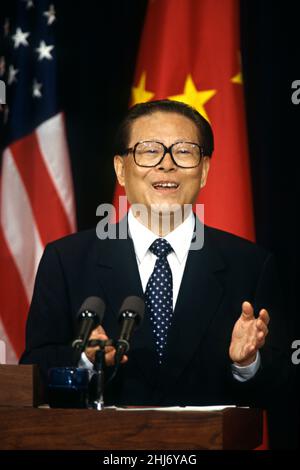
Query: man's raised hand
{"x":248,"y":335}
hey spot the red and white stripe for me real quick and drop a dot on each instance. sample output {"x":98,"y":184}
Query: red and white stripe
{"x":36,"y":207}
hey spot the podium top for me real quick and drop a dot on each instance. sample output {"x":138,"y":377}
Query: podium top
{"x":61,"y":429}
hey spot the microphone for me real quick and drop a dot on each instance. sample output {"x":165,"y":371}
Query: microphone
{"x":89,"y":316}
{"x":130,"y":316}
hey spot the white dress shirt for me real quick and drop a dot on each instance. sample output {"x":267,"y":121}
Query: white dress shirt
{"x":180,"y":240}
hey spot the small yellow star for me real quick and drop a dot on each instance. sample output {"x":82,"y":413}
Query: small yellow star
{"x":139,"y":92}
{"x":238,"y":79}
{"x":193,"y":97}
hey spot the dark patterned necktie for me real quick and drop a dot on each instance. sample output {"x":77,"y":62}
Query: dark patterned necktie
{"x":159,"y":295}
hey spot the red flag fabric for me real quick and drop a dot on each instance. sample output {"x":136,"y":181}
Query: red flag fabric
{"x":190,"y":52}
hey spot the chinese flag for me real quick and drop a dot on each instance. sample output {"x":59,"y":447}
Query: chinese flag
{"x":190,"y":52}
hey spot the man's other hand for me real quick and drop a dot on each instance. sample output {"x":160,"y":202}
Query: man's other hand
{"x":110,"y":351}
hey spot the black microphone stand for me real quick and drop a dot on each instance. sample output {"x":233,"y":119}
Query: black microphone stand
{"x":97,"y":381}
{"x":98,"y":402}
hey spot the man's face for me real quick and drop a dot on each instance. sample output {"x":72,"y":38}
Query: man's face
{"x":142,"y":184}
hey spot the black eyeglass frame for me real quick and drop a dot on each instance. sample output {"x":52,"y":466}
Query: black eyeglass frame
{"x":166,"y":150}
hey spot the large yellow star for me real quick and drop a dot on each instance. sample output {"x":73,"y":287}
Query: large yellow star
{"x":139,"y":92}
{"x":193,"y":97}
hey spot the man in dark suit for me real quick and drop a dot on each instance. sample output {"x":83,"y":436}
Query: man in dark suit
{"x":205,"y":338}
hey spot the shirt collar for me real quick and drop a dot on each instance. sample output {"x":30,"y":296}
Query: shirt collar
{"x":180,"y":238}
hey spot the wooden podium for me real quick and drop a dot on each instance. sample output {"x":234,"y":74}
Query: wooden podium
{"x":26,"y":426}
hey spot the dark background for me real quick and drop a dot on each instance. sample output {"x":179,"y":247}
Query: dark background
{"x":97,"y":46}
{"x":270,"y":65}
{"x":98,"y":43}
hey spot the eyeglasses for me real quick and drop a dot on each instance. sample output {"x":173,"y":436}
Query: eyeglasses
{"x":150,"y":153}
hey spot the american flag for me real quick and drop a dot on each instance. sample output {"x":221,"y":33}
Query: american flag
{"x":36,"y":191}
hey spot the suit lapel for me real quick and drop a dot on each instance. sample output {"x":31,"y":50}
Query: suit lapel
{"x":199,"y":297}
{"x":118,"y":272}
{"x":119,"y":277}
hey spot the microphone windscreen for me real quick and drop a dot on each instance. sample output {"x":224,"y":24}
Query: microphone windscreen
{"x":95,"y":305}
{"x":133,"y":304}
